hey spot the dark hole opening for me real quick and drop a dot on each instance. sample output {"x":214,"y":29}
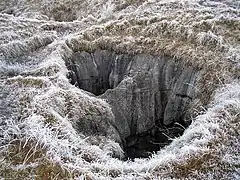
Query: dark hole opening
{"x":147,"y":143}
{"x":95,"y":85}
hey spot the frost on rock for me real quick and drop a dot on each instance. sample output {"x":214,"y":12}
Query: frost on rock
{"x":52,"y":129}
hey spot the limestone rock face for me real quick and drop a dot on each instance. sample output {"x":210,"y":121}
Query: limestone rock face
{"x":146,"y":93}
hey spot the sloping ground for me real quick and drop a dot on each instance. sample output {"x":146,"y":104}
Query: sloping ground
{"x":39,"y":106}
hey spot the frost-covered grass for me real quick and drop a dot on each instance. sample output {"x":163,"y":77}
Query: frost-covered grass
{"x":44,"y":140}
{"x":39,"y":108}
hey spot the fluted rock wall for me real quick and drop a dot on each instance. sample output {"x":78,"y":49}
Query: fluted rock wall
{"x":147,"y":93}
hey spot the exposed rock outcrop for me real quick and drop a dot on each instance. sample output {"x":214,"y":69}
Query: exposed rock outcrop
{"x":148,"y":94}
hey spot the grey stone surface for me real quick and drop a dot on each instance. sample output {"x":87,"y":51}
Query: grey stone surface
{"x":145,"y":92}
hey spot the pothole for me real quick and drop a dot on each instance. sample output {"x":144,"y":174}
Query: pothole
{"x":149,"y":95}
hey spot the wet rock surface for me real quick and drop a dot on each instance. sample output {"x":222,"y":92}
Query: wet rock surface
{"x":149,"y":95}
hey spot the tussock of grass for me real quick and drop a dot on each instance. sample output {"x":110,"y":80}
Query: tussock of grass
{"x":18,"y":48}
{"x":27,"y":82}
